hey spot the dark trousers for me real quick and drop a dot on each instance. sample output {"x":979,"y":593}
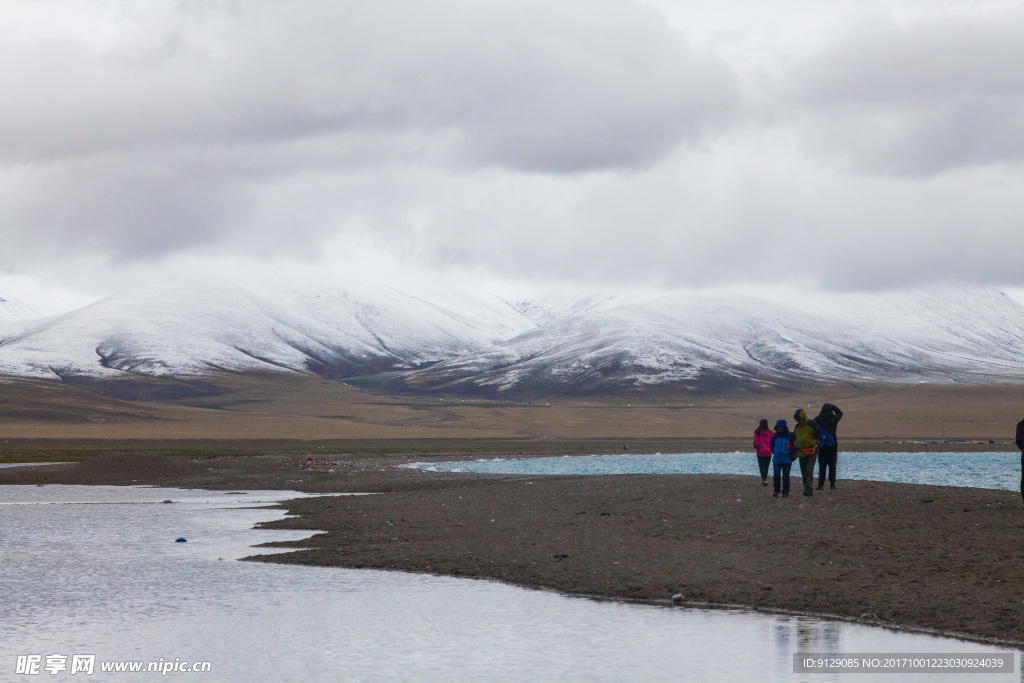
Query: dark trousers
{"x":807,"y":471}
{"x":762,"y":464}
{"x":1022,"y":474}
{"x":827,"y":457}
{"x":783,"y":469}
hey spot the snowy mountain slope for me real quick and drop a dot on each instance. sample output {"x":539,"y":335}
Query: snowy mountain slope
{"x":715,"y":340}
{"x":197,"y":328}
{"x":545,"y":305}
{"x":424,"y":327}
{"x":15,"y":315}
{"x":14,"y":310}
{"x":470,"y":340}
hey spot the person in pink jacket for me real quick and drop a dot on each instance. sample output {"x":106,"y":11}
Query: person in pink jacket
{"x":762,"y":444}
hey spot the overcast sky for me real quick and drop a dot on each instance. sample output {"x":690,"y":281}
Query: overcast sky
{"x":841,"y":145}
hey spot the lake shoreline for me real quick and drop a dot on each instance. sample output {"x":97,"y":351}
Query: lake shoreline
{"x":992,"y":469}
{"x":940,"y":560}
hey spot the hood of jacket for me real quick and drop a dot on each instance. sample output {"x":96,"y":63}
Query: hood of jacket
{"x":806,"y":432}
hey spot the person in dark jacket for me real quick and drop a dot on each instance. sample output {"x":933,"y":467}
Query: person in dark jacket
{"x":783,"y":452}
{"x":828,"y":419}
{"x":1020,"y":445}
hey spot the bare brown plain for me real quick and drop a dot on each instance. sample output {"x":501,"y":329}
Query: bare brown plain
{"x":309,"y":408}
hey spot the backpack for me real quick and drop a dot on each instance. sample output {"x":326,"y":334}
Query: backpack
{"x":827,"y":440}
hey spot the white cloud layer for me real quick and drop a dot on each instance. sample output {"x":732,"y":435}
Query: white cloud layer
{"x":850,"y":145}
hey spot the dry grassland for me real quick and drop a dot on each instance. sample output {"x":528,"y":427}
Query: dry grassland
{"x":311,"y":409}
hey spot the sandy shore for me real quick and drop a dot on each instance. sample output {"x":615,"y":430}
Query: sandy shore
{"x":942,"y":558}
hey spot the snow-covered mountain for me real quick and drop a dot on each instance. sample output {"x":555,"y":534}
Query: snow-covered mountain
{"x":526,"y":340}
{"x":199,"y":328}
{"x":712,"y":341}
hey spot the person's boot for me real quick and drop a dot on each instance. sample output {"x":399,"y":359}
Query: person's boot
{"x":833,"y":487}
{"x":821,"y":487}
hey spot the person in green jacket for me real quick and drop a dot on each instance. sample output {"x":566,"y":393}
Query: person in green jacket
{"x":806,"y":437}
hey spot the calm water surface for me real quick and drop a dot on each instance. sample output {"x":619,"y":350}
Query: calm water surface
{"x":980,"y":470}
{"x":95,"y":570}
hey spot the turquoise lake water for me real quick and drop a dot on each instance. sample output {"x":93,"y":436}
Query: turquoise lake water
{"x":990,"y":470}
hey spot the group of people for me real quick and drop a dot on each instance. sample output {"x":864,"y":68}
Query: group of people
{"x":809,"y":441}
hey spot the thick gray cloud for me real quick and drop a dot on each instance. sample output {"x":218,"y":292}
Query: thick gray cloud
{"x":562,"y":85}
{"x":920,"y":97}
{"x":147,"y":144}
{"x":848,"y":146}
{"x":730,"y":215}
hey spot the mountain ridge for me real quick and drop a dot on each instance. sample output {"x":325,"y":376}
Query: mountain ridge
{"x":537,"y":341}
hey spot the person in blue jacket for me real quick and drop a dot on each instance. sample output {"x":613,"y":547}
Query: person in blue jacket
{"x":783,"y":450}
